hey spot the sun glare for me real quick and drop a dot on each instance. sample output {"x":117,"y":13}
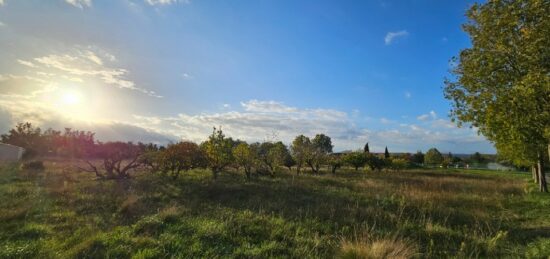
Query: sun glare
{"x":71,"y":98}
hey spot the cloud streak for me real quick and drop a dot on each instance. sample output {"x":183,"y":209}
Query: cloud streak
{"x":80,"y":64}
{"x":166,"y":2}
{"x":79,"y":3}
{"x":391,"y":36}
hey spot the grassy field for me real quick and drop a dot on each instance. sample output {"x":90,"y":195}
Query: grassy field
{"x":418,"y":214}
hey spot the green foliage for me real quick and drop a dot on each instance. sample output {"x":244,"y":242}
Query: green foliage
{"x":218,"y":150}
{"x":477,"y":158}
{"x":433,"y":157}
{"x":375,"y":163}
{"x":417,"y":158}
{"x":540,"y":248}
{"x":312,"y":153}
{"x":335,"y":162}
{"x":501,"y":83}
{"x":182,"y":156}
{"x":244,"y":157}
{"x":399,"y":164}
{"x":355,"y":159}
{"x":300,"y":150}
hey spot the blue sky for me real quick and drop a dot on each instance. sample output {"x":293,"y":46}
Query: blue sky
{"x":162,"y":70}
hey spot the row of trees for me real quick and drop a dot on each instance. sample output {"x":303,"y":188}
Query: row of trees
{"x":67,"y":143}
{"x":501,"y":84}
{"x":218,"y":152}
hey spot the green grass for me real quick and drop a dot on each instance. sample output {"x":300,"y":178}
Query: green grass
{"x":425,"y":214}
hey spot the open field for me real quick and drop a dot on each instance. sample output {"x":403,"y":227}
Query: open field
{"x":426,"y":214}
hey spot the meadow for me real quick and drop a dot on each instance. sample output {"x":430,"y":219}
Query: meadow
{"x":439,"y":213}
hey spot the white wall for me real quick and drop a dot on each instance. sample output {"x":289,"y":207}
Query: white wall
{"x":10,"y":153}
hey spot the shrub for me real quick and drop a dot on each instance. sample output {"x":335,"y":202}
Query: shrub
{"x":33,"y":165}
{"x":399,"y":164}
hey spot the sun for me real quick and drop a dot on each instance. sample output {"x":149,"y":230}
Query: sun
{"x":71,"y":98}
{"x":73,"y":104}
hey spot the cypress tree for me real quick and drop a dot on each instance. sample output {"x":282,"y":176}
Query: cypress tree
{"x":386,"y":153}
{"x":366,"y":148}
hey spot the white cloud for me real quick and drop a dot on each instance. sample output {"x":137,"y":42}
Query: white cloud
{"x":391,"y":36}
{"x":86,"y":63}
{"x":386,"y":121}
{"x":433,"y":114}
{"x":79,"y":3}
{"x":166,"y":2}
{"x":186,"y":76}
{"x":424,"y":117}
{"x":26,"y":63}
{"x":260,"y":120}
{"x":93,"y":57}
{"x":2,"y":2}
{"x":255,"y":121}
{"x":267,"y":107}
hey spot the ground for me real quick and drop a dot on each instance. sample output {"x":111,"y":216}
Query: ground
{"x":412,"y":213}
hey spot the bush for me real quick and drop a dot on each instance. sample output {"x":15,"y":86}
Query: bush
{"x":399,"y":164}
{"x":33,"y":165}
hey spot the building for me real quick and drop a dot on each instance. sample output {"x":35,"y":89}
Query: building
{"x":10,"y":152}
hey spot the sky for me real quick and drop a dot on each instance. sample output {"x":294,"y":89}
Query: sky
{"x":168,"y":70}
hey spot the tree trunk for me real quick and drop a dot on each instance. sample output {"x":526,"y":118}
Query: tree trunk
{"x":542,"y":175}
{"x":247,"y":172}
{"x":535,"y":174}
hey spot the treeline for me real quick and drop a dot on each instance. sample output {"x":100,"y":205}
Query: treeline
{"x":218,"y":153}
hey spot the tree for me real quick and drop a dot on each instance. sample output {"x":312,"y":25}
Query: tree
{"x":355,"y":159}
{"x":276,"y":156}
{"x":119,"y":158}
{"x":335,"y":162}
{"x":386,"y":153}
{"x":399,"y":164}
{"x":244,"y":157}
{"x":433,"y":157}
{"x":366,"y":148}
{"x":418,"y":158}
{"x":320,"y":147}
{"x":24,"y":135}
{"x":501,"y":84}
{"x":299,"y":150}
{"x":477,"y":158}
{"x":182,"y":156}
{"x":218,"y":150}
{"x":375,"y":162}
{"x":288,"y":161}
